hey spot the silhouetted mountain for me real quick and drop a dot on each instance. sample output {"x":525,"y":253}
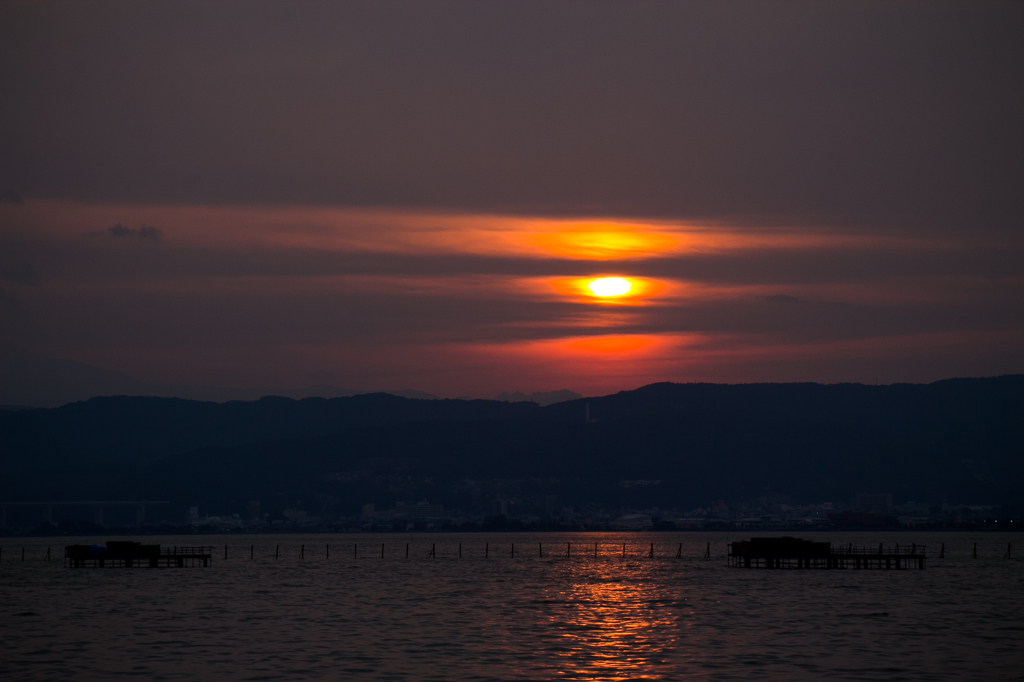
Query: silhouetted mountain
{"x":957,"y":441}
{"x":59,"y":452}
{"x":46,"y":382}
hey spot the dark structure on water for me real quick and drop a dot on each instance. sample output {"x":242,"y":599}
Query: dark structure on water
{"x":134,"y":555}
{"x":788,"y":552}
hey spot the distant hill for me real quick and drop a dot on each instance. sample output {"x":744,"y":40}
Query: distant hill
{"x":46,"y":382}
{"x":957,"y":441}
{"x":542,"y":398}
{"x":91,"y":443}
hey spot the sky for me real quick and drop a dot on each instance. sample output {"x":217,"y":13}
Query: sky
{"x":417,"y":195}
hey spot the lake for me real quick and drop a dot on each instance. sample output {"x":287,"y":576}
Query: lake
{"x":335,"y":614}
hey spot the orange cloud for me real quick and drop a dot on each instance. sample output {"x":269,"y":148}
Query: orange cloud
{"x":604,"y":242}
{"x":424,"y":232}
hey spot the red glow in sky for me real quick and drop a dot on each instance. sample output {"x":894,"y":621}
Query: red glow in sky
{"x":420,"y":199}
{"x":472,"y":305}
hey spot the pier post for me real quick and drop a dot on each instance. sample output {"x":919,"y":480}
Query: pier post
{"x":513,"y":550}
{"x":679,"y":552}
{"x":252,"y":551}
{"x":48,"y":553}
{"x":327,"y":552}
{"x":277,"y":551}
{"x":974,"y":554}
{"x":623,"y":550}
{"x":707,"y":552}
{"x":433,"y":551}
{"x":407,"y":550}
{"x":23,"y":553}
{"x":302,"y":551}
{"x":355,"y":550}
{"x":568,"y":549}
{"x":487,"y":549}
{"x":942,"y":551}
{"x":382,"y":550}
{"x":1007,"y":556}
{"x":460,"y":550}
{"x":225,"y":552}
{"x":595,"y":550}
{"x":651,"y":554}
{"x":540,"y":550}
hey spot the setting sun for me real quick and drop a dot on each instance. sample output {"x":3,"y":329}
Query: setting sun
{"x":610,"y":286}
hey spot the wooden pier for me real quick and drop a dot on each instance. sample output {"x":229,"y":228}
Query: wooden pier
{"x":135,"y":555}
{"x":788,"y":552}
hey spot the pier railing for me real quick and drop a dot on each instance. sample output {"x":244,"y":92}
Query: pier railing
{"x":790,"y":552}
{"x":134,"y":554}
{"x":757,"y":552}
{"x":870,"y":550}
{"x":187,"y":551}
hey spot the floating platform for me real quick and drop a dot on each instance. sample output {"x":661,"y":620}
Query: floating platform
{"x":135,"y":555}
{"x":788,"y":552}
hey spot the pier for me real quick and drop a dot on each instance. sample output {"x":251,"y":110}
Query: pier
{"x":778,"y":552}
{"x":788,"y":552}
{"x":135,"y":555}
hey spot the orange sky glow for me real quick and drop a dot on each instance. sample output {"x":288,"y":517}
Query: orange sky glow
{"x":536,"y":269}
{"x":353,"y":197}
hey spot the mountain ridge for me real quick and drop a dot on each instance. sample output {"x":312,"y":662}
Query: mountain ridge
{"x":956,"y":440}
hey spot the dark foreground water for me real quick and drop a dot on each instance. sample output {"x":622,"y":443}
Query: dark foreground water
{"x":527,"y":617}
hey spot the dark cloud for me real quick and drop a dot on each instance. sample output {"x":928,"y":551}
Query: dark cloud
{"x":904,"y":115}
{"x":215,"y":316}
{"x":17,"y":270}
{"x":119,"y":231}
{"x":897,"y":121}
{"x":781,"y":266}
{"x":8,"y":303}
{"x":784,"y":299}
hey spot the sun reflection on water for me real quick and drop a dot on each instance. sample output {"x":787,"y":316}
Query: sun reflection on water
{"x":614,"y":624}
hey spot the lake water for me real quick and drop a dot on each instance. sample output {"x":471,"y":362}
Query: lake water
{"x":502,"y":618}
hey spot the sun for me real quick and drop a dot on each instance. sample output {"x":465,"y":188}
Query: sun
{"x":610,"y":286}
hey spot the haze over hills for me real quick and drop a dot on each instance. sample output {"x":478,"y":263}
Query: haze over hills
{"x":542,"y":398}
{"x":31,"y":381}
{"x":666,"y":445}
